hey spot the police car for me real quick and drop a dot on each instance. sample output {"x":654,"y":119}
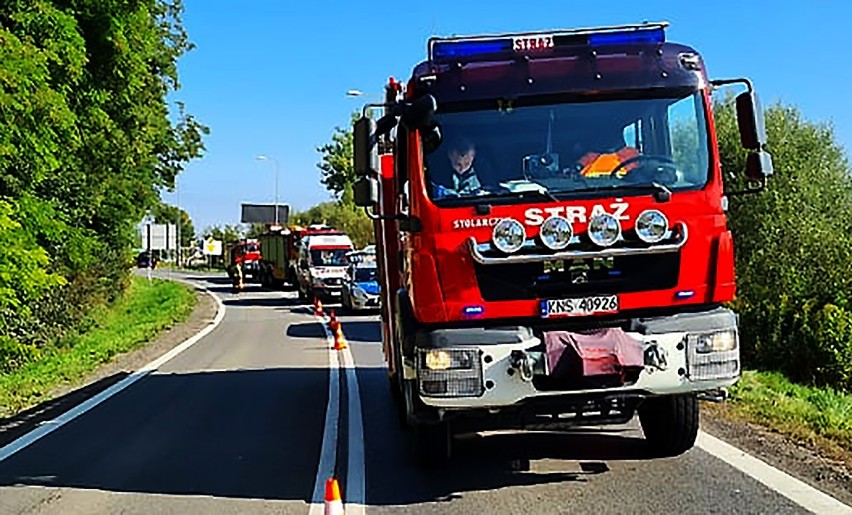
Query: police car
{"x":361,"y":286}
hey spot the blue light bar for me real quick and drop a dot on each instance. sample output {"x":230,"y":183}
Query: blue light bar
{"x":632,"y":37}
{"x":457,"y":49}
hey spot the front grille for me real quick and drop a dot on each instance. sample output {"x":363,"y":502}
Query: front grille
{"x":578,"y":277}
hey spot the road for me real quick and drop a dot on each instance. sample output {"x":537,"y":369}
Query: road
{"x":236,"y":423}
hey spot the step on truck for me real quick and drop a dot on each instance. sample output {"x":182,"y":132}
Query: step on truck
{"x":550,"y":219}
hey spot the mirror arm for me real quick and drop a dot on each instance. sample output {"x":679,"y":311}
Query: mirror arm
{"x":760,"y":187}
{"x":373,"y":216}
{"x":717,"y":83}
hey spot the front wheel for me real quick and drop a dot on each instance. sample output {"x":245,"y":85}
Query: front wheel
{"x":670,"y":423}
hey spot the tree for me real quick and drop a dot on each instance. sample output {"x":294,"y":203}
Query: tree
{"x":793,"y":248}
{"x":348,"y":219}
{"x":227,"y":234}
{"x":337,"y":172}
{"x":87,"y":141}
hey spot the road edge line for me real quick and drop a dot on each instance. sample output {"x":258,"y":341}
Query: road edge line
{"x":777,"y":480}
{"x":49,"y":426}
{"x":328,"y":448}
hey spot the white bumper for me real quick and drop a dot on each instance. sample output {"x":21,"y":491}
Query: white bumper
{"x":508,"y":388}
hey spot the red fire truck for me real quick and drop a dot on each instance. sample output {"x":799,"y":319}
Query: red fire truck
{"x":550,"y":222}
{"x":244,"y":258}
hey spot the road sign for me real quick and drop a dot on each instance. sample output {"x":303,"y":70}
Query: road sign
{"x":159,"y":236}
{"x":212,"y":247}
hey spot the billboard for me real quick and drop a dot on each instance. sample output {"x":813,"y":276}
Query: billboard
{"x":264,"y":213}
{"x":159,"y":236}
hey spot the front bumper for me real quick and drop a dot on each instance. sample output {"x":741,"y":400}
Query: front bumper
{"x":685,"y":370}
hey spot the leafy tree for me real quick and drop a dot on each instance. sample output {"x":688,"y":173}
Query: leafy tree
{"x":337,"y":172}
{"x":224,"y":233}
{"x":793,"y":249}
{"x":87,"y":140}
{"x":348,"y":219}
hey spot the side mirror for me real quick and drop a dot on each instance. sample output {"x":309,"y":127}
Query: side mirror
{"x":364,"y":157}
{"x":366,"y":191}
{"x":750,"y":121}
{"x":759,"y":166}
{"x":420,"y":113}
{"x":431,"y":138}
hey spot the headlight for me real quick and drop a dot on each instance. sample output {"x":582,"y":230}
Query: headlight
{"x":508,"y":236}
{"x":604,"y":229}
{"x":556,"y":233}
{"x":449,"y":373}
{"x":651,"y":226}
{"x":720,"y":341}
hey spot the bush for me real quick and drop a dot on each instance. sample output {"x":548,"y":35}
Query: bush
{"x":794,"y":251}
{"x":14,"y":355}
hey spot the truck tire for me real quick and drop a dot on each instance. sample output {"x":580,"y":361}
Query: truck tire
{"x":432,"y":444}
{"x":670,"y":423}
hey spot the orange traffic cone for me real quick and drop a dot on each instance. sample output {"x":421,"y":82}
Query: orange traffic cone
{"x":317,"y":307}
{"x":333,"y":323}
{"x":333,"y":502}
{"x":339,"y":340}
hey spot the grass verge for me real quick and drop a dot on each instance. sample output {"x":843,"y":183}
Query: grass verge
{"x":820,"y":417}
{"x":137,"y":317}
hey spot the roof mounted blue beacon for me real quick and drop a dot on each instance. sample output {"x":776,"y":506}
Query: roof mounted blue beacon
{"x":504,"y":46}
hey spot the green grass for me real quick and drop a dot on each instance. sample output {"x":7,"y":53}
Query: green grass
{"x":814,"y":416}
{"x":137,"y":317}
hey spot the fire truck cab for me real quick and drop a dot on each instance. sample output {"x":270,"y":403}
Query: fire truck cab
{"x":551,"y":234}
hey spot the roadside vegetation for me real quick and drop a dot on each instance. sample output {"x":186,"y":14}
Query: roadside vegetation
{"x":88,"y":141}
{"x":137,"y":316}
{"x":794,"y":256}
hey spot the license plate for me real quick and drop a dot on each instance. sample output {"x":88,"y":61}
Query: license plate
{"x":579,"y":306}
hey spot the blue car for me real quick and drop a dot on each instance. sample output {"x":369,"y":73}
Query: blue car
{"x":361,"y":288}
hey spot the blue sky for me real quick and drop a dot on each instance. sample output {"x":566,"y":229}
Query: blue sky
{"x":270,"y":76}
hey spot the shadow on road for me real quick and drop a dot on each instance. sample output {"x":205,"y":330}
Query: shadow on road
{"x":365,"y":331}
{"x":306,"y":330}
{"x":239,"y":434}
{"x":14,"y":427}
{"x":480,"y":463}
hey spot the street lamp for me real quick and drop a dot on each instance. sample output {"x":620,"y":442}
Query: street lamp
{"x":275,"y":165}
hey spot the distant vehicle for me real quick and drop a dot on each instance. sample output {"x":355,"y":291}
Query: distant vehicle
{"x":361,"y":286}
{"x":246,"y":254}
{"x":280,"y":261}
{"x":146,"y":260}
{"x":322,"y":265}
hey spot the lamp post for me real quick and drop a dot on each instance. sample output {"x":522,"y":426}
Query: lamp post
{"x":275,"y":165}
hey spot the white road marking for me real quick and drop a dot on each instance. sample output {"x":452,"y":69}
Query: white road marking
{"x":52,"y":425}
{"x":797,"y":491}
{"x":355,"y":482}
{"x":328,"y":450}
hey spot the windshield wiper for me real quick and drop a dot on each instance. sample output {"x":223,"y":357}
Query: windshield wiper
{"x":660,"y":191}
{"x":540,"y":192}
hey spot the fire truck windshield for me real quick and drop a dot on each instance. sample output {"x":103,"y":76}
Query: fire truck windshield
{"x":503,"y":150}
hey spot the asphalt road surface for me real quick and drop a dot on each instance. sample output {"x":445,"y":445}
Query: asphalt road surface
{"x":239,"y":423}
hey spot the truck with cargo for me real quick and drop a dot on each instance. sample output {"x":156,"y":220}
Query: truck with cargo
{"x":550,"y":221}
